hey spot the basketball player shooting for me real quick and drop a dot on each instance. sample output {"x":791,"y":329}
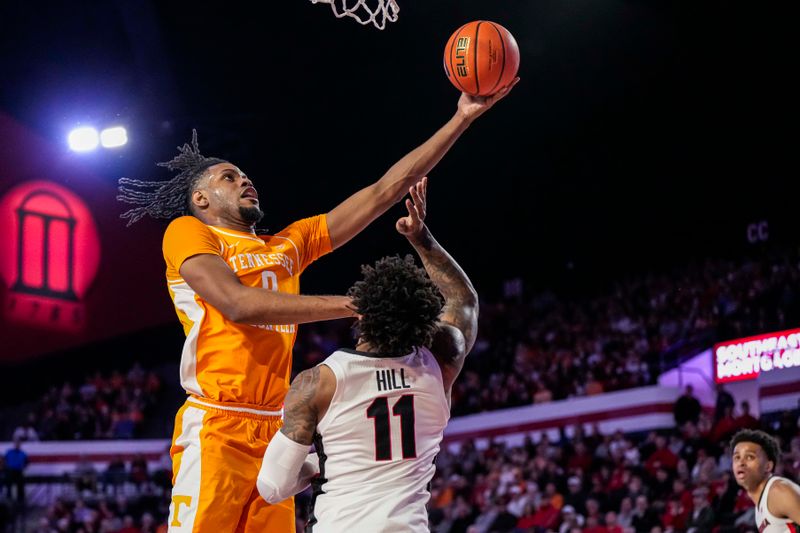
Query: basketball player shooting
{"x":777,"y":499}
{"x":376,"y":414}
{"x":236,"y":360}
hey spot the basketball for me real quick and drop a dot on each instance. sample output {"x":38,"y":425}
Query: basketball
{"x":481,"y":57}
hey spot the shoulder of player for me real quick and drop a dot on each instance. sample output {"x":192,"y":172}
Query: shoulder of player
{"x":449,"y":344}
{"x":784,"y":499}
{"x":449,"y":349}
{"x":184,"y":226}
{"x":784,"y":490}
{"x":187,"y":222}
{"x":311,"y":389}
{"x":184,"y":230}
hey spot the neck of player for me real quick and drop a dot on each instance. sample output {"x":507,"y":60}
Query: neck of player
{"x":755,"y":494}
{"x":227,"y":222}
{"x":362,"y":346}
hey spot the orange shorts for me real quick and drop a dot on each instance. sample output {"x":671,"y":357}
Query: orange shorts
{"x":216,"y":455}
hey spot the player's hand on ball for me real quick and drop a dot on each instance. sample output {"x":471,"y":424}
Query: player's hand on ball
{"x":471,"y":107}
{"x":413,"y":223}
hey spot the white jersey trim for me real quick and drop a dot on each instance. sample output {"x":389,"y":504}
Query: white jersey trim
{"x":251,"y":238}
{"x":296,"y":251}
{"x":340,"y":375}
{"x":235,"y":409}
{"x":186,"y":303}
{"x":189,"y":475}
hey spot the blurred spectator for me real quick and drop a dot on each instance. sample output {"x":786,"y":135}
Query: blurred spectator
{"x":138,"y":471}
{"x":148,"y":523}
{"x":644,"y":518}
{"x":702,"y":519}
{"x":27,"y":432}
{"x":115,"y":474}
{"x":675,"y":516}
{"x":504,"y":521}
{"x":16,"y":460}
{"x":85,"y":476}
{"x":746,"y":420}
{"x":570,"y":519}
{"x":611,"y":524}
{"x":662,"y":457}
{"x":725,"y":427}
{"x":162,"y":477}
{"x":724,"y":401}
{"x":575,"y":496}
{"x":625,"y":515}
{"x":687,"y":408}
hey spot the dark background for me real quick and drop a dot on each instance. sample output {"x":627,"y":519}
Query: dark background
{"x":644,"y":135}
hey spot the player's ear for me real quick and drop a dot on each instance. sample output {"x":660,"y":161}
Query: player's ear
{"x":199,"y":199}
{"x":770,"y":467}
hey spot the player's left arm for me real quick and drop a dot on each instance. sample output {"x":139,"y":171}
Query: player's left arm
{"x":350,"y":217}
{"x":287,"y":468}
{"x":784,"y":500}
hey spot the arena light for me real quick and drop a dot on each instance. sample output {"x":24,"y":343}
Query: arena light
{"x":83,"y":139}
{"x":113,"y":137}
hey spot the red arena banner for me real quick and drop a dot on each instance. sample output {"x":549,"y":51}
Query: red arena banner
{"x":746,"y":358}
{"x":71,"y":272}
{"x":52,"y":255}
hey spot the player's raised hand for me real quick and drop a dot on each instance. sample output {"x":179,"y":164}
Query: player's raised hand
{"x":413,"y":223}
{"x":471,"y":107}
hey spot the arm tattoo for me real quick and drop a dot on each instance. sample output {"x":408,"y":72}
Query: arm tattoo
{"x":461,"y":300}
{"x":299,"y":410}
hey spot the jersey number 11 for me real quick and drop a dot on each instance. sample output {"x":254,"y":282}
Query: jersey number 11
{"x":379,"y":411}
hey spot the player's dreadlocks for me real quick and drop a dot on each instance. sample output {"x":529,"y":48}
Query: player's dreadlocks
{"x":399,"y":306}
{"x":167,"y":199}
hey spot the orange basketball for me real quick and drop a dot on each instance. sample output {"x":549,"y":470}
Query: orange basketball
{"x":481,"y":57}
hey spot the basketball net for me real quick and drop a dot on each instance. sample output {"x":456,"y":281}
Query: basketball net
{"x":375,"y":12}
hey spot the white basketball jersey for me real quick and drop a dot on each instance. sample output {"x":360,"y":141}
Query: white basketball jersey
{"x":377,"y":443}
{"x":766,"y":521}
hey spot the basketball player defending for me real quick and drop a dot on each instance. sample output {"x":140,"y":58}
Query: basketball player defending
{"x":376,"y":414}
{"x":777,"y":499}
{"x":236,"y":295}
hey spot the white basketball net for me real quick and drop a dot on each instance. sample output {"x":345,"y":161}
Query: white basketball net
{"x":375,"y":12}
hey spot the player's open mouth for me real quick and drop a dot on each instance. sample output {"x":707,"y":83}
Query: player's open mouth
{"x":250,"y":193}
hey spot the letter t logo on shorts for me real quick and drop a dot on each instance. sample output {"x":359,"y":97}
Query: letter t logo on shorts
{"x":177,"y":501}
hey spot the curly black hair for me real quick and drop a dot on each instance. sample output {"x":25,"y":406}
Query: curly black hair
{"x":399,"y":306}
{"x":167,"y":199}
{"x":767,"y":442}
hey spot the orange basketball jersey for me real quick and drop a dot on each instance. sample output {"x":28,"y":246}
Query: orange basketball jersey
{"x":223,"y":360}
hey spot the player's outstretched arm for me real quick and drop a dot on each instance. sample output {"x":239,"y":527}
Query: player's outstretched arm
{"x":287,"y":467}
{"x":784,"y":500}
{"x":459,"y":321}
{"x":213,"y":280}
{"x":350,"y":217}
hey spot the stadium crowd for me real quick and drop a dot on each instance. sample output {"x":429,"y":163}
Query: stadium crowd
{"x":125,"y":497}
{"x":529,"y":350}
{"x":678,"y":481}
{"x":582,"y":482}
{"x":544,"y":347}
{"x":101,"y":407}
